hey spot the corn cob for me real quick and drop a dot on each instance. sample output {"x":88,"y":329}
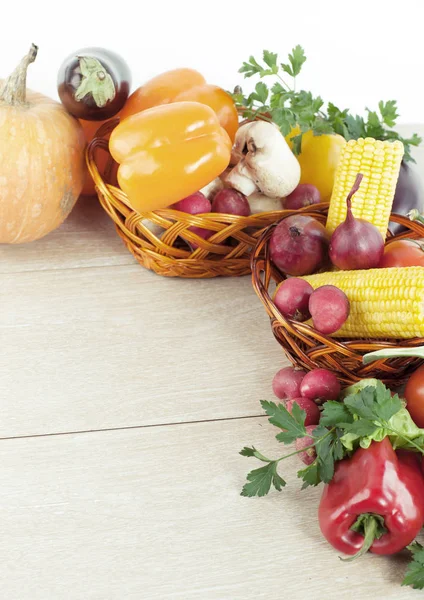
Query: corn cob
{"x":384,"y":303}
{"x":379,"y":162}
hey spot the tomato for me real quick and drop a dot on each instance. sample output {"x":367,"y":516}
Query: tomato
{"x":403,"y":253}
{"x":414,"y":395}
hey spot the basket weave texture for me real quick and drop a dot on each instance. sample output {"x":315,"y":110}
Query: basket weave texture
{"x":307,"y":348}
{"x":227,"y":252}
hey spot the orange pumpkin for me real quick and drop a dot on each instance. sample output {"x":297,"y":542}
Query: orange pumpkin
{"x":41,"y":160}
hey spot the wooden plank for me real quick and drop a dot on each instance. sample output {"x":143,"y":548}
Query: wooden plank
{"x":109,"y":347}
{"x":156,"y":513}
{"x":86,"y":239}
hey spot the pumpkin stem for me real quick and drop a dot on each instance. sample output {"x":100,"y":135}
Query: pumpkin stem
{"x":13,"y":90}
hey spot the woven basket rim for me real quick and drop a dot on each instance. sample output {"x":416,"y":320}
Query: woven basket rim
{"x":307,"y":347}
{"x":226,"y":252}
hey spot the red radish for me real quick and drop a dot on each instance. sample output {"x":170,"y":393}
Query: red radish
{"x":329,"y":308}
{"x":298,"y":245}
{"x":231,"y":202}
{"x":310,"y":408}
{"x":292,"y":298}
{"x":320,"y":385}
{"x":195,"y":204}
{"x":356,"y":243}
{"x":306,"y":456}
{"x":304,"y":195}
{"x":286,"y":383}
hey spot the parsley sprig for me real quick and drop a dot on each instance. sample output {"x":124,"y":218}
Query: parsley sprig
{"x":284,"y":105}
{"x":365,"y":415}
{"x":415,"y":571}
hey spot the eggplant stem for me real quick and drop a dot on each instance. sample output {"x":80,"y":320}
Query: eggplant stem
{"x":393,"y":353}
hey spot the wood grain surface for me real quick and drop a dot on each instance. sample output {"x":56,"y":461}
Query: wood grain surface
{"x":125,"y":399}
{"x":155,"y":513}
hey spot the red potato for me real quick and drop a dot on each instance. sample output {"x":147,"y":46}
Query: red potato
{"x":306,"y":456}
{"x":231,"y":202}
{"x":292,"y":299}
{"x":329,"y":308}
{"x":304,"y":195}
{"x":311,"y":409}
{"x":319,"y":385}
{"x":286,"y":383}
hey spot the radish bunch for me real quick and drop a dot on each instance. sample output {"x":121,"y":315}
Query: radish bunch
{"x":308,"y":391}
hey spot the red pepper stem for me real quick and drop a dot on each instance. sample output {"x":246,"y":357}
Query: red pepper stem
{"x":393,"y":353}
{"x":372,"y":528}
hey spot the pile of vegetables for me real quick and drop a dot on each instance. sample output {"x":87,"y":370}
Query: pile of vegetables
{"x":178,"y":137}
{"x":179,"y":145}
{"x":365,"y":447}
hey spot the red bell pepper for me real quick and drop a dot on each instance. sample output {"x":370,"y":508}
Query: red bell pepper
{"x":374,"y":502}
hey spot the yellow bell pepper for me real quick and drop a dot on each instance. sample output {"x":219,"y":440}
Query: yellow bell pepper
{"x":168,"y":152}
{"x":318,"y":159}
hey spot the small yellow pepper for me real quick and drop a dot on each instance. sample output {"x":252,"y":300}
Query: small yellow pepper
{"x":318,"y":159}
{"x":168,"y":152}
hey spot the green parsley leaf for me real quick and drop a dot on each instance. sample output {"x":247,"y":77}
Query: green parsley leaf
{"x":251,"y":451}
{"x":355,"y":126}
{"x":296,"y":60}
{"x":325,"y":459}
{"x":309,"y":475}
{"x":261,"y":92}
{"x":292,"y":424}
{"x":250,"y":68}
{"x":270,"y":59}
{"x":260,"y":480}
{"x":374,"y":403}
{"x":361,"y":428}
{"x":284,"y":118}
{"x":415,"y":571}
{"x":297,"y":144}
{"x":388,"y":112}
{"x":334,"y":413}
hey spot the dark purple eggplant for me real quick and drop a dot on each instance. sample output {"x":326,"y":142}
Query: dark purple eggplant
{"x":94,"y":84}
{"x":409,"y":194}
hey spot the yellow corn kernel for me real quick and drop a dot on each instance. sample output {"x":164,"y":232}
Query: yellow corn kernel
{"x":384,"y":303}
{"x":379,"y":162}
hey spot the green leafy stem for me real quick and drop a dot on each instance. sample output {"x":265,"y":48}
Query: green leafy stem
{"x":289,"y":108}
{"x":366,"y":414}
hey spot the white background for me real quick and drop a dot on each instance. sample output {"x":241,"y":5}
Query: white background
{"x":358,"y":52}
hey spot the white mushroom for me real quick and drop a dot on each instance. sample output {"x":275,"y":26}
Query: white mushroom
{"x":156,"y":229}
{"x":259,"y":203}
{"x":265,"y":162}
{"x":211,"y":189}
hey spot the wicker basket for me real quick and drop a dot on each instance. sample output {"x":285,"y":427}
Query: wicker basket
{"x":226,"y":253}
{"x":307,"y":348}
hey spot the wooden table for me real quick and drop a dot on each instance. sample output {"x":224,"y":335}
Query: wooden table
{"x":125,"y":400}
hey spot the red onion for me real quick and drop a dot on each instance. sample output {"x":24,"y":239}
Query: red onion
{"x":298,"y":245}
{"x":356,"y":243}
